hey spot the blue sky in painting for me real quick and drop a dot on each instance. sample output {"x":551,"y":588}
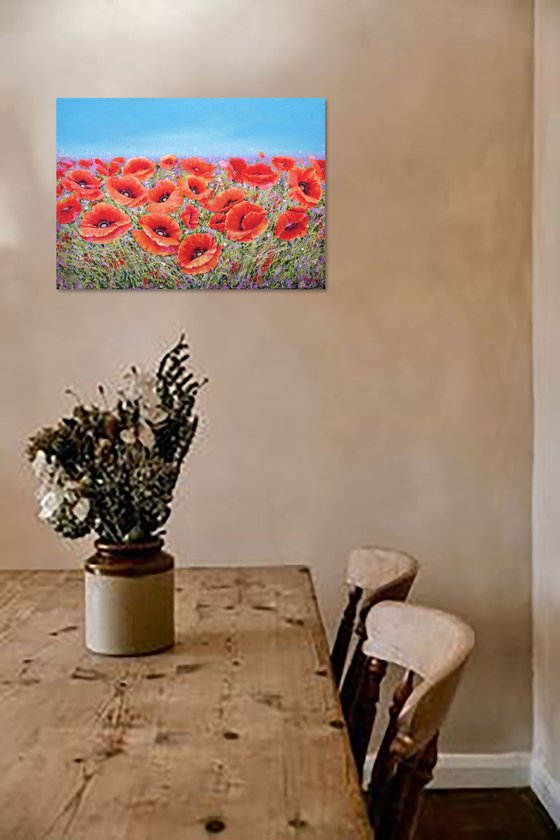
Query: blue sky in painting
{"x":206,"y":127}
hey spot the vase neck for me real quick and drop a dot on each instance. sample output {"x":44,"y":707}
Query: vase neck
{"x":122,"y":551}
{"x":129,"y":560}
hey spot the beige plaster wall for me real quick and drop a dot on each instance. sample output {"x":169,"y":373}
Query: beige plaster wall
{"x":546,"y":521}
{"x":393,"y":408}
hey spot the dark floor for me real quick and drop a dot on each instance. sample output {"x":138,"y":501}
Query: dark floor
{"x":512,"y":814}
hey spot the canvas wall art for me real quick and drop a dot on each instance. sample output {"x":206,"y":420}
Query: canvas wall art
{"x":190,"y":194}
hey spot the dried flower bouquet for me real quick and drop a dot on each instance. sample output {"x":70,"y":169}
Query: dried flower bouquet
{"x":113,"y":469}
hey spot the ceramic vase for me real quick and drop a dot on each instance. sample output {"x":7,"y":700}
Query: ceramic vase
{"x":129,"y":599}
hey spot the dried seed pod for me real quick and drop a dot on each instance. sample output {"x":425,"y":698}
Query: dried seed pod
{"x":111,"y":426}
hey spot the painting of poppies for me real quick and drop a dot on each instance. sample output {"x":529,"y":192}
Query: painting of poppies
{"x":190,"y":194}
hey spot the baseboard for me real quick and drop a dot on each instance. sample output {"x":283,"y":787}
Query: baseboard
{"x":482,"y":770}
{"x":547,"y":789}
{"x":477,"y":770}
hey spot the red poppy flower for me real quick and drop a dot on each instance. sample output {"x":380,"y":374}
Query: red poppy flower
{"x":235,"y":169}
{"x":283,"y":164}
{"x":260,"y":175}
{"x":62,"y":166}
{"x":165,"y":197}
{"x":101,"y":167}
{"x":198,"y":253}
{"x":141,"y":167}
{"x":305,"y":186}
{"x":127,"y":190}
{"x":261,"y":154}
{"x":68,"y":210}
{"x":82,"y":182}
{"x":197,"y":166}
{"x":85,"y":162}
{"x":59,"y":190}
{"x":245,"y":221}
{"x":195,"y":187}
{"x":190,"y":216}
{"x":218,"y":222}
{"x":291,"y":224}
{"x":104,"y":223}
{"x":318,"y":166}
{"x":168,"y":161}
{"x":159,"y":234}
{"x":224,"y":201}
{"x":110,"y":168}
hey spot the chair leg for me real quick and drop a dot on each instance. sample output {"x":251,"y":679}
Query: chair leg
{"x":344,"y":635}
{"x":351,"y":684}
{"x":380,"y":773}
{"x":398,"y":814}
{"x":362,"y":713}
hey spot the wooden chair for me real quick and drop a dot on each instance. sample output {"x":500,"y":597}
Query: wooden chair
{"x":373,"y":575}
{"x":432,"y":647}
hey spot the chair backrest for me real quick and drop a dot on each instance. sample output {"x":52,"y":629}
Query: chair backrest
{"x":373,"y":574}
{"x":433,"y":647}
{"x":372,"y":568}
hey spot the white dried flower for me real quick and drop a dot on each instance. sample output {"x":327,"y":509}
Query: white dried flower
{"x":141,"y":432}
{"x":41,"y":466}
{"x":50,"y":503}
{"x":141,"y":386}
{"x":81,"y":509}
{"x":128,"y":436}
{"x":145,"y":434}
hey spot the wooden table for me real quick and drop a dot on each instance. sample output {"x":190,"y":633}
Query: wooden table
{"x":237,"y":730}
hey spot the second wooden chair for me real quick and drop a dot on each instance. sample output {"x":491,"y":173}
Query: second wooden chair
{"x":373,"y":575}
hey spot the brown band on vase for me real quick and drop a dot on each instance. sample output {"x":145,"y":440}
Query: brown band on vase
{"x":129,"y":560}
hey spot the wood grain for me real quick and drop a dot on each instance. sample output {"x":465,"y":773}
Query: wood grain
{"x":237,"y":730}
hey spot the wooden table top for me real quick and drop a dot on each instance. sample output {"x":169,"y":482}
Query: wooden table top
{"x":237,"y":730}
